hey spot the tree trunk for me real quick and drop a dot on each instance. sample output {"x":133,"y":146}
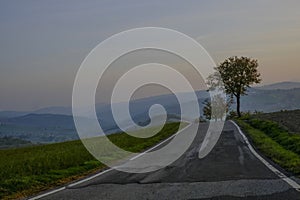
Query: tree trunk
{"x":238,"y":105}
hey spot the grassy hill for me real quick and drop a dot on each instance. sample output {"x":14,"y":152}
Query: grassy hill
{"x":24,"y":171}
{"x":276,"y":135}
{"x":281,"y":86}
{"x":289,"y":120}
{"x":271,"y":100}
{"x":274,"y":142}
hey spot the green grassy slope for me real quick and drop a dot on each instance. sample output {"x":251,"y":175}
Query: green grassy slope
{"x":25,"y":171}
{"x":274,"y":142}
{"x":290,"y":120}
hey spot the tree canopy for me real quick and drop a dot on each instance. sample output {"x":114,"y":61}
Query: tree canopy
{"x":237,"y":75}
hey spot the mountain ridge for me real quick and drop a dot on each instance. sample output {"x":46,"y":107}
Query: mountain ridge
{"x":285,"y":85}
{"x":48,"y":128}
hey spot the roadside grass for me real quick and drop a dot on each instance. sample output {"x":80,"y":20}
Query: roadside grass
{"x":28,"y":170}
{"x":288,"y":119}
{"x":274,"y":143}
{"x":289,"y":141}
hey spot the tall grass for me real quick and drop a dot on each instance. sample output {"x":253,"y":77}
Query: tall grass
{"x":288,"y":140}
{"x":24,"y":171}
{"x":271,"y":146}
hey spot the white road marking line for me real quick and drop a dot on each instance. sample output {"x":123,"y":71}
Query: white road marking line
{"x":103,"y":172}
{"x":139,"y":155}
{"x":169,"y":138}
{"x":89,"y":178}
{"x":282,"y":176}
{"x":48,"y":193}
{"x":70,"y":185}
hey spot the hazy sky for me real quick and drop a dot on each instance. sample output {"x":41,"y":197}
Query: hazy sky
{"x":42,"y":43}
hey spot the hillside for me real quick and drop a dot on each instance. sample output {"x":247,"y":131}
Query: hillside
{"x":288,"y":119}
{"x":280,"y":86}
{"x":45,"y":128}
{"x":271,"y":100}
{"x":49,"y":128}
{"x":268,"y":98}
{"x":28,"y":170}
{"x":10,"y":114}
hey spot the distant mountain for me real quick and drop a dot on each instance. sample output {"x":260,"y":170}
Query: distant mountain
{"x":52,"y":127}
{"x":39,"y":128}
{"x":10,"y":114}
{"x":48,"y":110}
{"x":142,"y":105}
{"x":280,"y":86}
{"x":58,"y":110}
{"x":271,"y":100}
{"x":48,"y":128}
{"x":42,"y":120}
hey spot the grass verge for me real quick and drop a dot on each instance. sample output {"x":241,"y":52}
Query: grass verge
{"x":25,"y":171}
{"x":267,"y":139}
{"x":289,"y":141}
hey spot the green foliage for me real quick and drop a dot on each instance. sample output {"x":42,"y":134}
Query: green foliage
{"x":237,"y":74}
{"x":7,"y":142}
{"x":207,"y":109}
{"x":277,"y":133}
{"x":215,"y":109}
{"x":232,"y":114}
{"x":245,"y":115}
{"x":283,"y":153}
{"x":24,"y":171}
{"x":289,"y":120}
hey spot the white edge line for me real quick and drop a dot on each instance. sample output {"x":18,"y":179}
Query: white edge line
{"x":89,"y":178}
{"x":70,"y":185}
{"x":48,"y":193}
{"x":169,"y":138}
{"x":282,"y":176}
{"x":103,"y":172}
{"x":141,"y":154}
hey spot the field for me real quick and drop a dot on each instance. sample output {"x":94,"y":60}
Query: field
{"x":274,"y":138}
{"x":28,"y":170}
{"x":8,"y":142}
{"x":289,"y":120}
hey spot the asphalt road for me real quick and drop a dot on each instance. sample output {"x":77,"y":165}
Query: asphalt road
{"x":230,"y":171}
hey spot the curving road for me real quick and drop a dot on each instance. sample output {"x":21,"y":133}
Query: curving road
{"x":230,"y":171}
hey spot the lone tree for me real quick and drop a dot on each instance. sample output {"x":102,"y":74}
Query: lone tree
{"x":216,"y":108}
{"x":237,"y":74}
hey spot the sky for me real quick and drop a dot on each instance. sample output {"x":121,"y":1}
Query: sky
{"x":43,"y":43}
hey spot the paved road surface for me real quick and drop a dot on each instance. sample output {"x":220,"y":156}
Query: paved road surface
{"x":230,"y":171}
